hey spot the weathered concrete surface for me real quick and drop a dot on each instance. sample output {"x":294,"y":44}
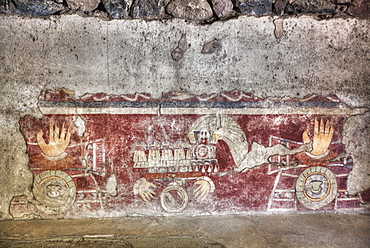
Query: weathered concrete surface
{"x":92,"y":55}
{"x":356,"y":138}
{"x":207,"y":231}
{"x":89,"y":55}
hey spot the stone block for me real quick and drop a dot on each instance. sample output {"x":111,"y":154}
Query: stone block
{"x":35,"y":8}
{"x":115,"y":8}
{"x":3,"y":6}
{"x":212,"y":46}
{"x":146,"y":8}
{"x":83,"y":5}
{"x":255,"y":7}
{"x":196,"y":10}
{"x":279,"y":6}
{"x":222,"y":7}
{"x":311,"y":6}
{"x":342,"y":2}
{"x":359,"y":8}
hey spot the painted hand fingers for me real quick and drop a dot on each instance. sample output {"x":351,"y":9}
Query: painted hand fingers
{"x":201,"y":194}
{"x":322,"y":126}
{"x":40,"y":138}
{"x":146,"y":191}
{"x":56,"y":133}
{"x":202,"y":190}
{"x":51,"y":131}
{"x":63,"y":132}
{"x":329,"y":130}
{"x":148,"y":196}
{"x":306,"y":139}
{"x":316,"y":128}
{"x":323,"y":134}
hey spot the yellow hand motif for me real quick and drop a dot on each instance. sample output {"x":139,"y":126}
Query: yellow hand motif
{"x":58,"y":140}
{"x":322,"y":136}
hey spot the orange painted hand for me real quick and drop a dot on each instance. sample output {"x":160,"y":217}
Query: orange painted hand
{"x":322,"y":136}
{"x":58,"y":140}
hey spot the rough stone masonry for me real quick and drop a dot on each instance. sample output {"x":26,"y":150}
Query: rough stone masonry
{"x":194,"y":10}
{"x":299,"y":63}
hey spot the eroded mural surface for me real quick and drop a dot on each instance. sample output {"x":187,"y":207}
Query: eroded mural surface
{"x":231,"y":152}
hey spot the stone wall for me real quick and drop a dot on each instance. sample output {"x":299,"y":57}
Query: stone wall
{"x":201,"y":11}
{"x":270,"y":57}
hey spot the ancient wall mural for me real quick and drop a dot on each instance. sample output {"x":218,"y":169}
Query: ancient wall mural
{"x":106,"y":155}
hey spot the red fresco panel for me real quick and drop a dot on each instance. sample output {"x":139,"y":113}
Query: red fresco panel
{"x":222,"y":153}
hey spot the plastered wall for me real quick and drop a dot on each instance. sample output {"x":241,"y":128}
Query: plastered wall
{"x":118,"y":57}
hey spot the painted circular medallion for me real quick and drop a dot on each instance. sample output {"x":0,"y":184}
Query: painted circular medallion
{"x":174,"y":199}
{"x":316,"y":187}
{"x":55,"y":190}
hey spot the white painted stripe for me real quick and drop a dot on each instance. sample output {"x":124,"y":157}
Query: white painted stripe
{"x":87,"y":191}
{"x":202,"y":111}
{"x":290,"y":175}
{"x":281,"y":209}
{"x":80,"y":175}
{"x":86,"y":201}
{"x":99,"y":236}
{"x":285,"y":190}
{"x":271,"y":198}
{"x":342,"y":175}
{"x":348,"y":199}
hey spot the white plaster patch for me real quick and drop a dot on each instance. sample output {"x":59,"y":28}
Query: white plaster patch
{"x":80,"y":124}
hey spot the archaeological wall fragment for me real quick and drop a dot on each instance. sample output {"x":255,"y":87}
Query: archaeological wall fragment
{"x":232,"y":152}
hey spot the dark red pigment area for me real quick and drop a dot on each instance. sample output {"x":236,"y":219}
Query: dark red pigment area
{"x":120,"y":134}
